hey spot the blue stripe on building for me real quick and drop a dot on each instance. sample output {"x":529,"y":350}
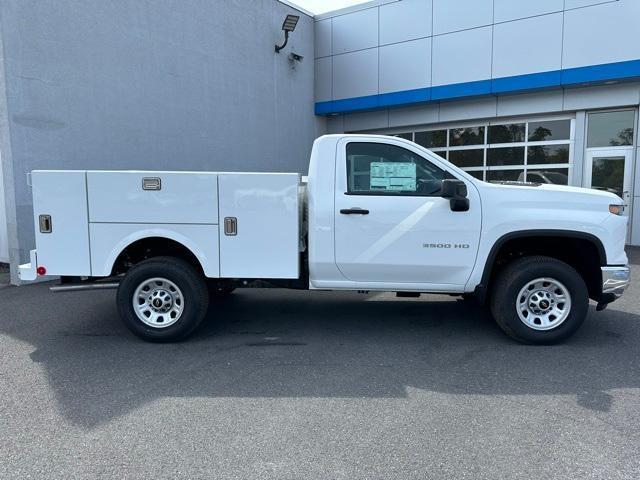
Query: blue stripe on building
{"x":571,"y":77}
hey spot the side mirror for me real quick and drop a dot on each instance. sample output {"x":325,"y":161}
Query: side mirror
{"x":453,"y":188}
{"x":456,"y":191}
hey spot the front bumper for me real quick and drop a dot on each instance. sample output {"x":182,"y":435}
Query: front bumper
{"x":615,"y":281}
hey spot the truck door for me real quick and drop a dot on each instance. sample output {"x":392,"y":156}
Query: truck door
{"x":391,"y":225}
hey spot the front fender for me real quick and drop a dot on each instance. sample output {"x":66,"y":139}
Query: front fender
{"x":487,"y":256}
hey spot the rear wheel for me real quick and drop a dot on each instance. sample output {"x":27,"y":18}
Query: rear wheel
{"x":162,"y":299}
{"x":539,"y":300}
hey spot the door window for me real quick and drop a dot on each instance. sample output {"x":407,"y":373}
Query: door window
{"x":610,"y":129}
{"x":383,"y":169}
{"x":607,"y":173}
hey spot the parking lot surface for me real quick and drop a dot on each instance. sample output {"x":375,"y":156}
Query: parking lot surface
{"x":304,"y":385}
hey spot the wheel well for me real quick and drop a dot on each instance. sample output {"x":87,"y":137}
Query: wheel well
{"x":153,"y":247}
{"x":583,"y":253}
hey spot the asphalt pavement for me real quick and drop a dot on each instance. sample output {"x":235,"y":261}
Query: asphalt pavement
{"x":314,"y":385}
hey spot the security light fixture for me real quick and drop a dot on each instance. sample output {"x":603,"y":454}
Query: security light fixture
{"x":289,"y":25}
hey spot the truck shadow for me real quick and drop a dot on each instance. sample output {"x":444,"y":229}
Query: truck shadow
{"x":275,"y":343}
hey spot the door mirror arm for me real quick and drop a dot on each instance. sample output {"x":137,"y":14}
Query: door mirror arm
{"x":456,"y":191}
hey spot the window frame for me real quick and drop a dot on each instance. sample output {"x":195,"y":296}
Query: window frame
{"x":486,"y":146}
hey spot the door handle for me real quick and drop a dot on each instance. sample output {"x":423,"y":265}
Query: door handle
{"x":231,"y":226}
{"x":354,"y":211}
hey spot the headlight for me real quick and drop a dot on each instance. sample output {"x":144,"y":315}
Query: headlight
{"x":616,"y":209}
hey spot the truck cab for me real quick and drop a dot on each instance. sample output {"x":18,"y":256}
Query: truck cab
{"x":375,"y":213}
{"x":378,"y":219}
{"x":382,"y":232}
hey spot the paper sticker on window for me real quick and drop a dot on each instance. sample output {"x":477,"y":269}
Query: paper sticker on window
{"x":393,"y":176}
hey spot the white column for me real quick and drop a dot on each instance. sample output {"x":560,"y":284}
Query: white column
{"x":635,"y":212}
{"x":579,"y":145}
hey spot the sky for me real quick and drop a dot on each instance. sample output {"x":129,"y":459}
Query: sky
{"x":321,"y":6}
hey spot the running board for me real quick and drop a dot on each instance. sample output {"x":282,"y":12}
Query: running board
{"x":84,"y":286}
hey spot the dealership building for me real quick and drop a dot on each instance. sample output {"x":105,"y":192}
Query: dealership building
{"x":537,"y":90}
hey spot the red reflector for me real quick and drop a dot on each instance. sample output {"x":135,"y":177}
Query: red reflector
{"x":41,"y":271}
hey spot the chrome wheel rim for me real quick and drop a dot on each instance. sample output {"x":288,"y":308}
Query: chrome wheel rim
{"x":158,"y":302}
{"x":543,"y":304}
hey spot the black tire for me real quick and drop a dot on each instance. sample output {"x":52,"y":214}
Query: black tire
{"x":515,"y":276}
{"x":192,"y":285}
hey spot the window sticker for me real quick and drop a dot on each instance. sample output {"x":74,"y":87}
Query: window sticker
{"x":393,"y":176}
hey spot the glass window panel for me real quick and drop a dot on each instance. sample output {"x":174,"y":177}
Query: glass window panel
{"x":549,"y":130}
{"x":505,"y":176}
{"x":608,"y":174}
{"x":479,"y":174}
{"x":548,"y":154}
{"x":432,"y":139}
{"x":609,"y":129}
{"x":442,"y":153}
{"x":505,"y":156}
{"x":406,"y":136}
{"x":511,"y":133}
{"x":383,"y":169}
{"x":558,"y":176}
{"x":467,"y":158}
{"x":466,"y":136}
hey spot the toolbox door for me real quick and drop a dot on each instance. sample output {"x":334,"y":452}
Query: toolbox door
{"x":61,"y":222}
{"x":259,"y":225}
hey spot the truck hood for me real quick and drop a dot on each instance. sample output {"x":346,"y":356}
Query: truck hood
{"x":611,"y":197}
{"x":556,"y":192}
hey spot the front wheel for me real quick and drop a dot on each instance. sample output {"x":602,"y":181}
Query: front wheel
{"x":162,"y":299}
{"x":539,"y":300}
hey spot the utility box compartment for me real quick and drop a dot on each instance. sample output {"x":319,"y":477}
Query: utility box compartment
{"x":61,"y":221}
{"x":153,"y":197}
{"x":259,"y":225}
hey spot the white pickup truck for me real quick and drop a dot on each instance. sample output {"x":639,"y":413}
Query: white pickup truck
{"x":375,"y":213}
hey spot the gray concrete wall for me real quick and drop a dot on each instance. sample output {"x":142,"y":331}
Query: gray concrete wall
{"x":152,"y":84}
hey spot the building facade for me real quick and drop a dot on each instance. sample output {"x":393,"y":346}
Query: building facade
{"x":539,"y":90}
